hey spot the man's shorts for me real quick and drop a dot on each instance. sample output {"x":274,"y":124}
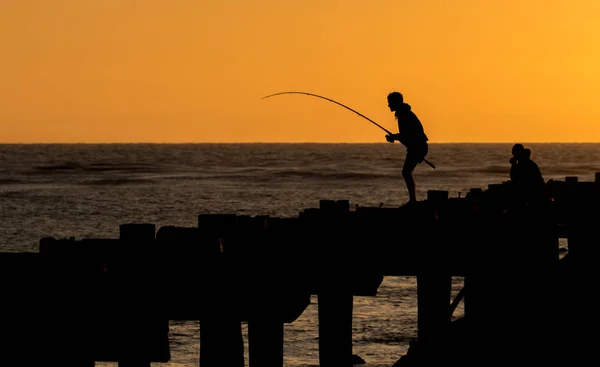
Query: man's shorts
{"x":416,"y":153}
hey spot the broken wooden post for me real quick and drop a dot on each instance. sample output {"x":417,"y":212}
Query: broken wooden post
{"x":434,"y":290}
{"x":282,"y":285}
{"x":265,"y":324}
{"x":335,"y":328}
{"x":335,"y":298}
{"x":63,"y":261}
{"x":221,"y":341}
{"x":265,"y":341}
{"x":145,"y":338}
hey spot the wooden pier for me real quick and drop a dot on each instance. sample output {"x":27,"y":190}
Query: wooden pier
{"x":76,"y":302}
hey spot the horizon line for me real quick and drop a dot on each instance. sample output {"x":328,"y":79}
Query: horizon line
{"x":285,"y":142}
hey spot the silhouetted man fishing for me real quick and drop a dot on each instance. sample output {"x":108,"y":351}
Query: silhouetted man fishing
{"x":412,"y":136}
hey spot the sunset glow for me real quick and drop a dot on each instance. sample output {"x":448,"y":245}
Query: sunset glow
{"x":195,"y":71}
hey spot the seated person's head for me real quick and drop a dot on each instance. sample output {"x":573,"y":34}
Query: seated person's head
{"x":518,"y":151}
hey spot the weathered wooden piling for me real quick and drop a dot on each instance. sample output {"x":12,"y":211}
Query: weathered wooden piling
{"x":221,"y":340}
{"x":434,"y":287}
{"x":59,"y":329}
{"x":578,"y":279}
{"x":145,"y":337}
{"x":329,"y":228}
{"x":36,"y":329}
{"x":265,"y":341}
{"x":335,"y":328}
{"x":277,"y":292}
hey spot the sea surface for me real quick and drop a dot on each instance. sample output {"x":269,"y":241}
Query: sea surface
{"x":86,"y":191}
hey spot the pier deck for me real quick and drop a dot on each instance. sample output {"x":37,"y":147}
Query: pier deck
{"x":111,"y":299}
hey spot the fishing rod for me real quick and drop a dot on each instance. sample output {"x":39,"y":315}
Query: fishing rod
{"x":331,"y":100}
{"x":343,"y":105}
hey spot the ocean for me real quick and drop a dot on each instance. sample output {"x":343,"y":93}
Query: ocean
{"x":88,"y":190}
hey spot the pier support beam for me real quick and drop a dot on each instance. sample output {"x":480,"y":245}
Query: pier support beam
{"x":335,"y":329}
{"x":221,"y":342}
{"x":434,"y":291}
{"x":144,"y":338}
{"x":265,"y":340}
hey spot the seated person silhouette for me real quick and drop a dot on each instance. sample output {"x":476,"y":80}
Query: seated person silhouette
{"x":526,"y":177}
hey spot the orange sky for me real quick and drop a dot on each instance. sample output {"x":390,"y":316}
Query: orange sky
{"x":195,"y":71}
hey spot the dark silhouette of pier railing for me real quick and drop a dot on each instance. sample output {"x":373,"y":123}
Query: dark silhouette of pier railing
{"x":80,"y":301}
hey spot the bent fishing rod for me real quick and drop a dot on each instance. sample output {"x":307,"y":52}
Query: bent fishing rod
{"x":340,"y":104}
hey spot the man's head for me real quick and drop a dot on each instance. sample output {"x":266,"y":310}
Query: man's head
{"x":395,"y":100}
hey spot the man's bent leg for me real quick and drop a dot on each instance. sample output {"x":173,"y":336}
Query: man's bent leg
{"x":407,"y":170}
